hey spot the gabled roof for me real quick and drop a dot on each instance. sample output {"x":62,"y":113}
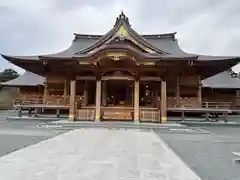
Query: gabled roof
{"x":223,"y":80}
{"x":27,"y":79}
{"x":157,"y":47}
{"x":165,"y":44}
{"x":161,"y":44}
{"x":82,"y":42}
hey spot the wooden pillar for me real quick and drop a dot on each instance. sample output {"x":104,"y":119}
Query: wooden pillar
{"x":45,"y":93}
{"x":65,"y":92}
{"x":85,"y":94}
{"x":178,"y":91}
{"x":156,"y":99}
{"x":98,"y":100}
{"x":163,"y":102}
{"x":199,"y":93}
{"x":136,"y":101}
{"x":132,"y":96}
{"x":72,"y":108}
{"x":104,"y":95}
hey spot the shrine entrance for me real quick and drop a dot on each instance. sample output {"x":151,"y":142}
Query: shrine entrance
{"x":118,"y":93}
{"x":117,"y":100}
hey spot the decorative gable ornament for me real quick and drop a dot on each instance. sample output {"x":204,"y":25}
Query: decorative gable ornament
{"x":122,"y":33}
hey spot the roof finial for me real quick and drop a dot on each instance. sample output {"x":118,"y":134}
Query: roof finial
{"x":122,"y":17}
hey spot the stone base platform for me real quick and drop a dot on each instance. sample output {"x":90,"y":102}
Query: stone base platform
{"x":116,"y":125}
{"x":97,"y":154}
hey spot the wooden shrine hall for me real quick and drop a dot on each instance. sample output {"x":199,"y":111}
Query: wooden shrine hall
{"x":121,"y":75}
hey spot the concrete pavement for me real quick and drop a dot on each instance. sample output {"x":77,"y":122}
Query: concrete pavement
{"x":210,"y":154}
{"x":97,"y":154}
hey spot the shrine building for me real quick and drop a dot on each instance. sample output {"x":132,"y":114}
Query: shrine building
{"x":124,"y":75}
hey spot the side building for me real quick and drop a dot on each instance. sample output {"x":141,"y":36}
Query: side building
{"x":123,"y":75}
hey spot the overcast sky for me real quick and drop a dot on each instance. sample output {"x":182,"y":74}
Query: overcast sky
{"x":29,"y":27}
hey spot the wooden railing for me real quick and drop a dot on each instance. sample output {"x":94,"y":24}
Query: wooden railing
{"x":192,"y":102}
{"x":85,"y":113}
{"x":150,"y":115}
{"x":20,"y":101}
{"x":223,"y":105}
{"x":206,"y":104}
{"x":51,"y":100}
{"x":184,"y":101}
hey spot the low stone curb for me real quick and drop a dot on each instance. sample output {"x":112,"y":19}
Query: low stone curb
{"x":44,"y":119}
{"x":217,"y":124}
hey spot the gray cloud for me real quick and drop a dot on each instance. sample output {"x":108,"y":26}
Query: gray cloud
{"x":63,"y":5}
{"x":46,"y":26}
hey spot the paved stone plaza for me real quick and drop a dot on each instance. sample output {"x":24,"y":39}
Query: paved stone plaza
{"x":15,"y":135}
{"x":97,"y":154}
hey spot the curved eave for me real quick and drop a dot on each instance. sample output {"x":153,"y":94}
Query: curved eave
{"x":13,"y":58}
{"x":158,"y":36}
{"x":29,"y":63}
{"x":211,"y":65}
{"x":144,"y":41}
{"x":87,"y":36}
{"x":100,"y":41}
{"x":216,"y":58}
{"x":55,"y":58}
{"x":131,"y":50}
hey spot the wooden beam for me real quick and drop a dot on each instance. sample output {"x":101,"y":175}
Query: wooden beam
{"x":98,"y":100}
{"x":105,"y":78}
{"x":85,"y":94}
{"x":163,"y":102}
{"x":65,"y":91}
{"x":128,"y":69}
{"x":72,"y":108}
{"x":93,"y":78}
{"x":149,"y":78}
{"x":136,"y":101}
{"x":104,"y":95}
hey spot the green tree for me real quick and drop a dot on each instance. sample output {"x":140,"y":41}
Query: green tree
{"x":8,"y":74}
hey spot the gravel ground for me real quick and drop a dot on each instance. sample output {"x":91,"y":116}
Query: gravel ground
{"x":209,"y":155}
